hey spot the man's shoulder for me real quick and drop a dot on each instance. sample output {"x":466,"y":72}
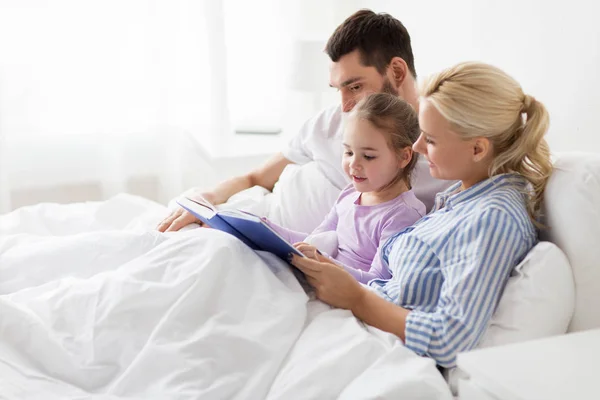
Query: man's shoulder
{"x":327,"y":123}
{"x":316,"y":136}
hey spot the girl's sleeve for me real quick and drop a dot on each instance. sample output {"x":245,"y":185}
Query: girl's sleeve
{"x":288,"y":234}
{"x":397,"y":221}
{"x":329,"y":223}
{"x":476,"y":263}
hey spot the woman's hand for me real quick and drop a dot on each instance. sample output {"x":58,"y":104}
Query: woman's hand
{"x":336,"y":287}
{"x":309,"y":251}
{"x":332,"y":283}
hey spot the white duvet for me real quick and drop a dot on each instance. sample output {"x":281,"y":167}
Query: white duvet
{"x":95,"y":304}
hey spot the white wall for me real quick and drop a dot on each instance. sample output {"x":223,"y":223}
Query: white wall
{"x":157,"y":165}
{"x":551,"y":47}
{"x":92,"y":93}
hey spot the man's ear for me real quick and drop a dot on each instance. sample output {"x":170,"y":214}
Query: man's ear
{"x":481,"y":148}
{"x":404,"y":157}
{"x":399,"y":71}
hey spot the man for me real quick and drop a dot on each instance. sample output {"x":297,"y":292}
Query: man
{"x":370,"y":53}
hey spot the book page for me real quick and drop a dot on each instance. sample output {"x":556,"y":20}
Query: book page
{"x":204,"y":211}
{"x":241,"y":214}
{"x":203,"y":202}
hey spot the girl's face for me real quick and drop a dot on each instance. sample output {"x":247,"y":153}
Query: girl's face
{"x":450,"y":157}
{"x":368,"y":159}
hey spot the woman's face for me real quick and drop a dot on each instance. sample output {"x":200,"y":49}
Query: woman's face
{"x":449,"y":156}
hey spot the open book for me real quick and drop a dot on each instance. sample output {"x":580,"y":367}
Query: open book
{"x":249,"y":228}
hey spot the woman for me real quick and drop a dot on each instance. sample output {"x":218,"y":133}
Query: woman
{"x":449,"y":269}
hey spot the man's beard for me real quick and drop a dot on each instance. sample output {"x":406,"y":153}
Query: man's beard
{"x":388,"y":88}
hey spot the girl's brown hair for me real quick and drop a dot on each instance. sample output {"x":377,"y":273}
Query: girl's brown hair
{"x":397,"y":120}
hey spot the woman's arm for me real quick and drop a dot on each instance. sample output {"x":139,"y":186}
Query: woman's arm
{"x":380,"y":313}
{"x":475,"y":263}
{"x":337,"y":287}
{"x":475,"y":272}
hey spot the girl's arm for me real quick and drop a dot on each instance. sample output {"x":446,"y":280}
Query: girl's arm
{"x":377,"y":271}
{"x":399,"y":219}
{"x":329,"y":224}
{"x":288,"y":234}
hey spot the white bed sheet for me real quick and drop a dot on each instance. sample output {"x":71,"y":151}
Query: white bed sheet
{"x":95,"y":304}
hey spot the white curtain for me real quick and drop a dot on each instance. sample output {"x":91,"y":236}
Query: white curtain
{"x":99,"y":97}
{"x":102,"y":91}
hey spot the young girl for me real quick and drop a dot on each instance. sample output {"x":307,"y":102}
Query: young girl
{"x":378,"y":158}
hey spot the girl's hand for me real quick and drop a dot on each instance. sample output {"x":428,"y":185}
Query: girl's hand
{"x":332,"y":283}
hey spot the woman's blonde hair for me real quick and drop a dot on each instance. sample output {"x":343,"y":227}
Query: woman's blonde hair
{"x":398,"y":121}
{"x":480,"y":100}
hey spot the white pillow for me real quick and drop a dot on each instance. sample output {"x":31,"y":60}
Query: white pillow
{"x":302,"y":197}
{"x":538,"y":300}
{"x":572,"y":202}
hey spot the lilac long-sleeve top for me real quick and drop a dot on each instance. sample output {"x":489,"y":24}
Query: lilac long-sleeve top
{"x":362,"y":230}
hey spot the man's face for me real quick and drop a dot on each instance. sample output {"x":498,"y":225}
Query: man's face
{"x":354,"y":80}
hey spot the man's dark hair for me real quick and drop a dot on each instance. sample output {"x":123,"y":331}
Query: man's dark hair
{"x":378,"y":38}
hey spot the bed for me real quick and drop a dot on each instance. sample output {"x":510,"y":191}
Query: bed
{"x":96,"y":304}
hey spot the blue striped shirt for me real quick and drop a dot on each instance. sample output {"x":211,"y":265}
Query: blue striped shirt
{"x":451,"y":266}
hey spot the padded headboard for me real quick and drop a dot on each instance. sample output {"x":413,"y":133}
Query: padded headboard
{"x":572,"y":209}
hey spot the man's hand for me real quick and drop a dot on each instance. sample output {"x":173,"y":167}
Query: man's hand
{"x":177,"y":220}
{"x":266,"y":175}
{"x":180,"y":217}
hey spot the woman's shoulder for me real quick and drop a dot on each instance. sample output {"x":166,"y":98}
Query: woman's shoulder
{"x":507,"y":193}
{"x":508,"y":197}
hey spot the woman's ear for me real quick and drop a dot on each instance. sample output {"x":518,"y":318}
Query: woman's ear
{"x":405,"y":156}
{"x":399,"y":71}
{"x":481,"y":149}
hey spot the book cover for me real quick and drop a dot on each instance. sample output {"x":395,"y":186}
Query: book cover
{"x":247,"y":227}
